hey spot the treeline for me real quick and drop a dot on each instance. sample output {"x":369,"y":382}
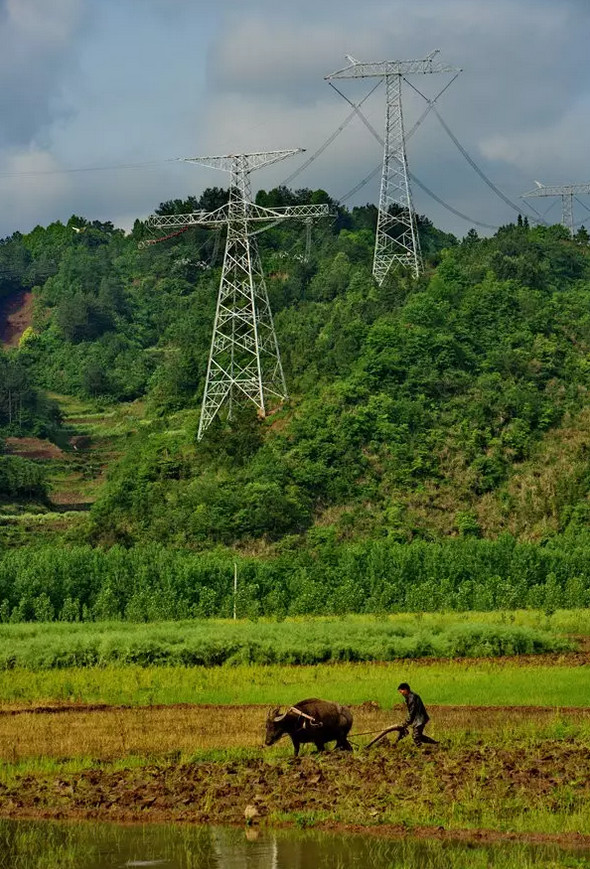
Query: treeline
{"x":150,"y":583}
{"x":21,"y":478}
{"x":24,"y":411}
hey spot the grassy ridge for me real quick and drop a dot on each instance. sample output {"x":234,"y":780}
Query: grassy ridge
{"x":466,"y":683}
{"x":211,"y":643}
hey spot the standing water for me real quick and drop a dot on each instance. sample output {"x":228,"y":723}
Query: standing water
{"x":49,"y":845}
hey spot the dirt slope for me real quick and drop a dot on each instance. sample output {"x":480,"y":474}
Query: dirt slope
{"x":16,"y":315}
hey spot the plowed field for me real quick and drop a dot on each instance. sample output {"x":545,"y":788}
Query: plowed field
{"x":518,"y":771}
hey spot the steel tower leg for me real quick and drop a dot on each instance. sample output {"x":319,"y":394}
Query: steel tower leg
{"x":397,"y":237}
{"x":567,"y":211}
{"x":244,"y":357}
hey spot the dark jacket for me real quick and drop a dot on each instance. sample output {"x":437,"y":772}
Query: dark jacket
{"x":417,"y":713}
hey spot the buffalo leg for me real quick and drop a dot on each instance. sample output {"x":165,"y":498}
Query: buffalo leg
{"x":344,"y":744}
{"x":296,"y":745}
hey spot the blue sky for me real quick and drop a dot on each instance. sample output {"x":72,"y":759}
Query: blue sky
{"x":86,"y":83}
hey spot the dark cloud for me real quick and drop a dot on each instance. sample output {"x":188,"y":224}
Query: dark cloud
{"x":519,"y":107}
{"x":36,"y":47}
{"x":95,"y":82}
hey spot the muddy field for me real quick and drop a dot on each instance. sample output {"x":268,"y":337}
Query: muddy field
{"x":518,"y":771}
{"x":389,"y":789}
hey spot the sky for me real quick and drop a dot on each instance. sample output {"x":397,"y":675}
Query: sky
{"x":90,"y":85}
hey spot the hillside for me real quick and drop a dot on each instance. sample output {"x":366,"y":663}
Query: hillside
{"x":450,"y":406}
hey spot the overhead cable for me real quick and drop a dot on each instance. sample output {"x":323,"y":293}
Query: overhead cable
{"x":450,"y":207}
{"x":34,"y":172}
{"x":426,"y":189}
{"x":329,"y":140}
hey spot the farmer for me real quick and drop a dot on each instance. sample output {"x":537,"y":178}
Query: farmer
{"x":417,"y":718}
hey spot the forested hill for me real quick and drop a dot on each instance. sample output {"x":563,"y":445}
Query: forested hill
{"x":450,"y":405}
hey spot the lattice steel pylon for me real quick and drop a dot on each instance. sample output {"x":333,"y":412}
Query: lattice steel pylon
{"x":567,"y":193}
{"x":244,"y":359}
{"x":397,"y":239}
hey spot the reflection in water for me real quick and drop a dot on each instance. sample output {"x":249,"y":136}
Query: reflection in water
{"x":48,"y":845}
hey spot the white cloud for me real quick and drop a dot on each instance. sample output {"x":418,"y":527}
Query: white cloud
{"x":36,"y":47}
{"x":35,"y":22}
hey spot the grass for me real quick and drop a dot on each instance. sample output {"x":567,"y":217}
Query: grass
{"x":502,"y":769}
{"x":311,"y":641}
{"x":468,"y":683}
{"x":77,"y":475}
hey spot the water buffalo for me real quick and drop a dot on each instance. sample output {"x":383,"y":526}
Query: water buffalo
{"x":312,"y":720}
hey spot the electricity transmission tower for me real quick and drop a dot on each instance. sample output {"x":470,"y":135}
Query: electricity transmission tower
{"x":397,"y":237}
{"x":567,"y":193}
{"x":244,"y":359}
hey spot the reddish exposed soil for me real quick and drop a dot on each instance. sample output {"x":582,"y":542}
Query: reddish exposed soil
{"x":16,"y":315}
{"x":33,"y":448}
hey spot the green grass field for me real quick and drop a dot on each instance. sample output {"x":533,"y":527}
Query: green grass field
{"x":466,"y":683}
{"x":213,"y":643}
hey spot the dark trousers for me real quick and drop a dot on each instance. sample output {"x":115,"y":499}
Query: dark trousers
{"x":418,"y":735}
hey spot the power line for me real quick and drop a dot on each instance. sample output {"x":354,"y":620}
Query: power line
{"x":330,"y":138}
{"x":361,"y":184}
{"x":450,"y":207}
{"x":117,"y":167}
{"x":427,"y":190}
{"x":583,"y":204}
{"x":465,"y":153}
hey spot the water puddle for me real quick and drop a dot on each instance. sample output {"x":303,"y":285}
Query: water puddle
{"x":49,"y":845}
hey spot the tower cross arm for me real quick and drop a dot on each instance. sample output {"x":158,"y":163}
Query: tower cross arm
{"x":195,"y":218}
{"x":557,"y":190}
{"x":303,"y":212}
{"x":245,"y":162}
{"x":219,"y":217}
{"x":380,"y":68}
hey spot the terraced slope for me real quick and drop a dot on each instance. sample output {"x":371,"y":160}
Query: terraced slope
{"x":93,"y":438}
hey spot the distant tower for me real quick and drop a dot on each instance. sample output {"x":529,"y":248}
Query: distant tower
{"x":244,"y":360}
{"x":397,"y":237}
{"x":567,"y":193}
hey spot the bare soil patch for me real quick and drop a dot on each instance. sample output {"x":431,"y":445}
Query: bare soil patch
{"x":16,"y":315}
{"x":373,"y":791}
{"x":33,"y":448}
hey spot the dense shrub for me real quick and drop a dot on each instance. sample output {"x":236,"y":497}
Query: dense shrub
{"x":152,"y":582}
{"x":211,"y":644}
